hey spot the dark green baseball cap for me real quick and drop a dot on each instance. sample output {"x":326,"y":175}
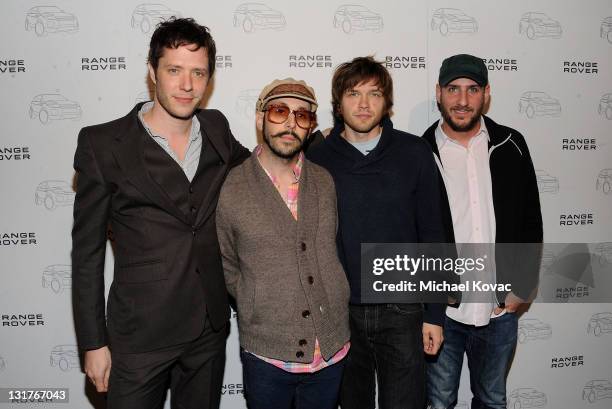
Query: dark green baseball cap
{"x":463,"y":66}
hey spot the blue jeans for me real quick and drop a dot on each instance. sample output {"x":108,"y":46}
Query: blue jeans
{"x":269,"y":387}
{"x":489,"y":351}
{"x":386,"y":342}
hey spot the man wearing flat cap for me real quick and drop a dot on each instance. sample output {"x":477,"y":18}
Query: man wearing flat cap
{"x":489,"y":194}
{"x":276,"y":223}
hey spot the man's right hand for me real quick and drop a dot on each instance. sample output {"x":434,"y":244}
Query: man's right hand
{"x":97,"y":367}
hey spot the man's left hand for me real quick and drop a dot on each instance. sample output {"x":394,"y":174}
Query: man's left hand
{"x":432,"y":338}
{"x":511,"y":303}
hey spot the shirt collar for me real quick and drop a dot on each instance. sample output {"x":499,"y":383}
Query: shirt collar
{"x":194,"y":132}
{"x":297,"y":168}
{"x":442,"y":138}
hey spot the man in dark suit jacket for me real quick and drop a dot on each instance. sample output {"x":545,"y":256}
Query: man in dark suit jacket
{"x":153,"y":177}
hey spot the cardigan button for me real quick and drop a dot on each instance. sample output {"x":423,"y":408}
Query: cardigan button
{"x":305,"y":313}
{"x":302,"y":342}
{"x":303,"y":246}
{"x":299,"y":354}
{"x":310,"y":280}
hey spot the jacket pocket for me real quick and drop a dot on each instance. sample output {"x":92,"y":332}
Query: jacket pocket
{"x":406,"y":309}
{"x":141,"y":271}
{"x":273,"y":304}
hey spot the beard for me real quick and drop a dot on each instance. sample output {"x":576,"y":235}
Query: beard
{"x":279,"y":149}
{"x":165,"y":103}
{"x":468,"y":126}
{"x":366,"y":127}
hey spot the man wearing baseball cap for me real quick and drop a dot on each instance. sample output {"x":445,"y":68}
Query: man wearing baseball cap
{"x":489,"y":194}
{"x":276,"y":223}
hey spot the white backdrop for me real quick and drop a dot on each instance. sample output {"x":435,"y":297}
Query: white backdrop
{"x":75,"y":63}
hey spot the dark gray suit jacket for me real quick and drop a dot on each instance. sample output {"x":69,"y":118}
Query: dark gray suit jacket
{"x":167,"y":272}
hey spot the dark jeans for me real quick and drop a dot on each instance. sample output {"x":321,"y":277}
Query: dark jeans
{"x":193,"y":371}
{"x":489,"y":351}
{"x":386,"y":342}
{"x":269,"y":387}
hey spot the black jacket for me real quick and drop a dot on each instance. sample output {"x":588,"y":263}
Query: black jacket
{"x":516,"y":204}
{"x":389,"y":196}
{"x":168,"y":275}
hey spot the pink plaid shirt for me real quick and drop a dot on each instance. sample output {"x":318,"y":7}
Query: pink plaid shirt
{"x":292,"y":192}
{"x":318,"y":362}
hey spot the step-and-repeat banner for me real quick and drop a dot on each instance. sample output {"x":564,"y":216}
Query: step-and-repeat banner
{"x":68,"y":64}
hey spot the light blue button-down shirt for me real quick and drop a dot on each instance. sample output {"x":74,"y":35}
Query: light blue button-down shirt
{"x":192,"y":155}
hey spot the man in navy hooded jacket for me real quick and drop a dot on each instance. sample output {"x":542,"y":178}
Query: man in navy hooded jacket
{"x":387,"y":186}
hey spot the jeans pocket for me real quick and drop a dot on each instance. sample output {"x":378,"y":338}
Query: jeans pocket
{"x":405,"y":309}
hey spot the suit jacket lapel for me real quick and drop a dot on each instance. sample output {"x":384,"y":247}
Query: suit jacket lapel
{"x":129,"y":153}
{"x":167,"y":174}
{"x":210,"y":178}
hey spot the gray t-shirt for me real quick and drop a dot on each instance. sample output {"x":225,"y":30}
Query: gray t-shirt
{"x":367,"y":146}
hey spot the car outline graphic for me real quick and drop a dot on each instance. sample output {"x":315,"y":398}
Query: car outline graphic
{"x":532,"y":329}
{"x":522,"y":398}
{"x":546,"y":182}
{"x":50,"y":19}
{"x":600,"y":323}
{"x":451,"y":20}
{"x":603,"y":252}
{"x":597,"y":389}
{"x":605,"y":106}
{"x":65,"y":357}
{"x":49,"y":107}
{"x":54,"y":193}
{"x":605,"y":30}
{"x":547,"y":261}
{"x":246,"y":101}
{"x":58,"y":277}
{"x":355,"y":17}
{"x":604,"y":181}
{"x":147,"y":15}
{"x":538,"y":25}
{"x":538,"y":103}
{"x":256,"y":16}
